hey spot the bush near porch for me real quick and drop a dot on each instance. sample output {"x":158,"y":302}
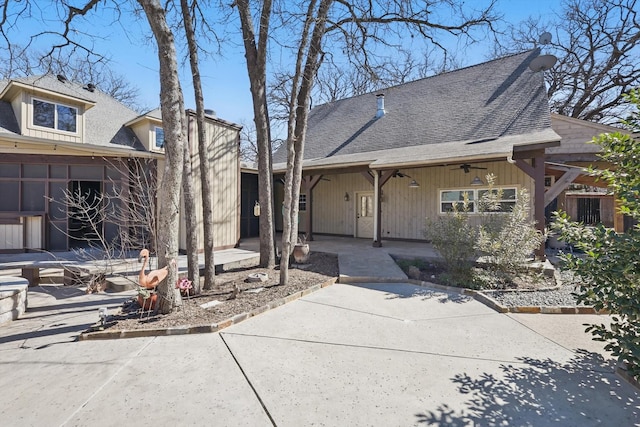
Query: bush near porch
{"x":503,"y":242}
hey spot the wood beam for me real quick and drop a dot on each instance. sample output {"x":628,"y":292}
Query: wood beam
{"x":368,"y":176}
{"x":538,"y":200}
{"x":536,"y":171}
{"x":308,"y":184}
{"x":560,"y":185}
{"x":380,"y":179}
{"x":525,"y":167}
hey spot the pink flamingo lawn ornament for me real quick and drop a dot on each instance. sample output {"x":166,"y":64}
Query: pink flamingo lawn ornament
{"x":153,"y":279}
{"x":150,"y":281}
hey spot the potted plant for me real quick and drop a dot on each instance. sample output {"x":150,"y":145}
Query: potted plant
{"x":301,"y":250}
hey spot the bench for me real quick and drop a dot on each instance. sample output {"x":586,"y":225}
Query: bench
{"x":74,"y":273}
{"x":13,"y":298}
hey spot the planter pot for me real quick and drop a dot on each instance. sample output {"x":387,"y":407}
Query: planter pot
{"x":301,"y":253}
{"x":149,"y":303}
{"x":553,"y":242}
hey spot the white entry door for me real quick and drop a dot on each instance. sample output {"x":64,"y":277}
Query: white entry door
{"x":364,"y":215}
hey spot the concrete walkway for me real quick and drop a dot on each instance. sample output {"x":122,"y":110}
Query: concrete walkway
{"x":378,"y":354}
{"x":387,"y":354}
{"x":359,"y":261}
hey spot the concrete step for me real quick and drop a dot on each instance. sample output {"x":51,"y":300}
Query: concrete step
{"x":121,"y":284}
{"x":13,"y":298}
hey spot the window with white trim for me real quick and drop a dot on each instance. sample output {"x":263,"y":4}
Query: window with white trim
{"x":302,"y":203}
{"x":472,"y":196}
{"x":159,"y":138}
{"x":54,"y":116}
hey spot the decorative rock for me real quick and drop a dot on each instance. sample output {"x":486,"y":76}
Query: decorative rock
{"x":210,"y":304}
{"x":257,"y":277}
{"x":414,"y":272}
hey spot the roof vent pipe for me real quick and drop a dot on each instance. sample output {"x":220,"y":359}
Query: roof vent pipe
{"x":380,"y":112}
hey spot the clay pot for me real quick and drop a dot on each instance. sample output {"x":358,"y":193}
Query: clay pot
{"x":301,"y":253}
{"x":149,"y":303}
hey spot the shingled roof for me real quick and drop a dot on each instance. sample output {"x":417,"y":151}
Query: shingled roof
{"x":481,"y":110}
{"x":104,"y":120}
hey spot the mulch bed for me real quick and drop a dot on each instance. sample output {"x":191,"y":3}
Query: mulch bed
{"x":235,"y":294}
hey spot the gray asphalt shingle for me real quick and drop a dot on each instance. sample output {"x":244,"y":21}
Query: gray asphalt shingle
{"x":489,"y":101}
{"x":103,"y":122}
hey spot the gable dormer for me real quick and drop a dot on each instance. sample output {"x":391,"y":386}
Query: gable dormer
{"x":47,"y":109}
{"x":148,"y":128}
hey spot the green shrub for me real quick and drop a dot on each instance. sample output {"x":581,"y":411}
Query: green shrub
{"x":609,"y":269}
{"x":453,"y":237}
{"x":506,"y":239}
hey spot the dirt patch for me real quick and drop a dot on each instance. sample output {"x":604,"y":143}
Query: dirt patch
{"x":235,"y":294}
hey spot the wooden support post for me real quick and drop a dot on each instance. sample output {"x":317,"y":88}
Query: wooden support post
{"x":536,"y":171}
{"x":380,"y":179}
{"x":32,"y":274}
{"x":308,"y":183}
{"x":538,"y":200}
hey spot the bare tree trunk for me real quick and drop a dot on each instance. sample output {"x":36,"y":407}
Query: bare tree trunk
{"x":205,"y":173}
{"x":298,"y":116}
{"x":189,"y":194}
{"x":172,"y":114}
{"x":256,"y":67}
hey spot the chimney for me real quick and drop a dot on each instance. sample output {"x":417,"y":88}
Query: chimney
{"x":380,"y":99}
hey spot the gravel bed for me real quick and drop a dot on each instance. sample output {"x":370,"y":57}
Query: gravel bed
{"x":560,"y":297}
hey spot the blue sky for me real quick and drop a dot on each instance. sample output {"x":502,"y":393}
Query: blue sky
{"x":225,"y":79}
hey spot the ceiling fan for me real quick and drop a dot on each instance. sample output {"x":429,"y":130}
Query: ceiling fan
{"x":467,"y":167}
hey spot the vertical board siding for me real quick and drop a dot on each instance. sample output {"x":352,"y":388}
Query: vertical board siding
{"x":404,"y":210}
{"x":12,"y":236}
{"x":331,"y":213}
{"x":225,"y":176}
{"x":33,"y":232}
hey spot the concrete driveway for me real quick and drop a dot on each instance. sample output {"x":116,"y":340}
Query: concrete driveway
{"x":347,"y":355}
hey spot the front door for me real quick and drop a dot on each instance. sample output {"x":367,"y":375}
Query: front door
{"x":364,"y":215}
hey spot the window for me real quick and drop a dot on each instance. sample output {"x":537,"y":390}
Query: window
{"x":159,"y":137}
{"x":54,"y":116}
{"x":366,"y":205}
{"x":302,"y":203}
{"x":449,"y":198}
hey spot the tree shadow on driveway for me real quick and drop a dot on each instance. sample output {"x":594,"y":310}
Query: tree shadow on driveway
{"x":581,"y":392}
{"x":406,"y":290}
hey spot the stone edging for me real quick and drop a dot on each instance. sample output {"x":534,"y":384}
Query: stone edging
{"x":200,"y":329}
{"x":624,"y":374}
{"x":495,"y":305}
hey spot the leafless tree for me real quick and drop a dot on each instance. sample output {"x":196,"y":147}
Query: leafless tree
{"x":203,"y":152}
{"x":249,"y":142}
{"x":174,"y":124}
{"x":128,"y":204}
{"x":255,"y":39}
{"x":309,"y":30}
{"x":336,"y":81}
{"x":597,"y":43}
{"x":21,"y":63}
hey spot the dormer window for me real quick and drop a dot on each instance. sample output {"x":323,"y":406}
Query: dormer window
{"x":55,"y":116}
{"x":159,"y":134}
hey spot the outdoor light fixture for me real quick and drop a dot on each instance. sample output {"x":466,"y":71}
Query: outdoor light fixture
{"x":346,"y":197}
{"x":477,"y":181}
{"x":412,"y":184}
{"x":103,"y":313}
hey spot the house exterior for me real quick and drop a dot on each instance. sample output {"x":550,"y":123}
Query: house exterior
{"x":58,"y":136}
{"x":584,"y":198}
{"x":377,"y":165}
